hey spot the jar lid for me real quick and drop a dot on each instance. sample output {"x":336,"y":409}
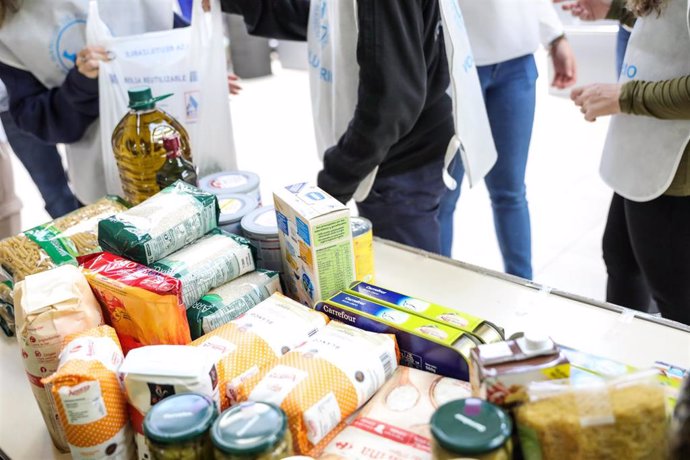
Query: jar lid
{"x":249,"y":428}
{"x":261,"y":221}
{"x":359,"y":226}
{"x":233,"y":207}
{"x":179,"y":418}
{"x":470,"y":426}
{"x":230,"y":182}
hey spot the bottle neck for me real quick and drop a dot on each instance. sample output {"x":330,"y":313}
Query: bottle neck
{"x":173,"y":154}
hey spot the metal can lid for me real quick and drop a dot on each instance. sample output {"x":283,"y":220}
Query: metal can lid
{"x":360,"y":226}
{"x":233,"y":207}
{"x":249,"y":428}
{"x":470,"y":426}
{"x":179,"y":418}
{"x":262,"y":221}
{"x":230,"y":182}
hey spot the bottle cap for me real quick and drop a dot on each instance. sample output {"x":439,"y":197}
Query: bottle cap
{"x":141,"y":98}
{"x":171,"y":142}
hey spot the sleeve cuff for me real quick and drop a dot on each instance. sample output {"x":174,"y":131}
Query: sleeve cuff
{"x":625,"y":100}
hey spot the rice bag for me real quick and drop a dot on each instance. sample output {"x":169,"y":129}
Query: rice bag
{"x":144,"y":306}
{"x":49,"y":307}
{"x":395,"y":423}
{"x":89,"y":400}
{"x":250,"y":343}
{"x":151,"y":374}
{"x":210,"y":261}
{"x":58,"y":242}
{"x":324,"y":381}
{"x":231,"y":300}
{"x":166,"y":222}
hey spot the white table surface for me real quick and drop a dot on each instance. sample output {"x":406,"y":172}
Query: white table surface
{"x":514,"y":304}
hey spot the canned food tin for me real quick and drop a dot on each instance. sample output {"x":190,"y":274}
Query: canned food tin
{"x":363,"y":244}
{"x":261,"y":229}
{"x":232,"y":182}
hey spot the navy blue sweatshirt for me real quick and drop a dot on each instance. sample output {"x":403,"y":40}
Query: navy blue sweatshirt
{"x":55,"y":115}
{"x":403,"y":118}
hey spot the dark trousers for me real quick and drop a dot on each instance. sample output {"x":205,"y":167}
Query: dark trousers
{"x":404,"y":207}
{"x":44,"y":165}
{"x":647,"y":255}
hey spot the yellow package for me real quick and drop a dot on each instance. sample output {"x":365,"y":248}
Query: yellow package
{"x":90,"y":402}
{"x":324,"y":381}
{"x":248,"y":344}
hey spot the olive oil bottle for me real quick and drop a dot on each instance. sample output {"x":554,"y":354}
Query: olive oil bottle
{"x":138,"y":144}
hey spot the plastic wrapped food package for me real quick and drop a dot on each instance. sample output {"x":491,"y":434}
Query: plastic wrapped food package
{"x":212,"y":260}
{"x":171,"y":219}
{"x":252,"y":342}
{"x":49,"y":307}
{"x":6,"y":286}
{"x":58,"y":242}
{"x":227,"y":302}
{"x":324,"y":381}
{"x":89,"y":400}
{"x":144,"y":306}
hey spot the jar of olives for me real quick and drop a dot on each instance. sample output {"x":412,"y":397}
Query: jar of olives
{"x":252,"y":431}
{"x":177,"y":427}
{"x":471,"y":428}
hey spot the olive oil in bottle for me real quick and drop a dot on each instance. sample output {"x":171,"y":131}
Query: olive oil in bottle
{"x":175,"y":167}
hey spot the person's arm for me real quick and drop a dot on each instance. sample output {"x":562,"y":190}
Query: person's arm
{"x":391,"y":93}
{"x":285,"y":19}
{"x":619,"y":12}
{"x":550,"y":26}
{"x":57,"y":115}
{"x":668,"y":99}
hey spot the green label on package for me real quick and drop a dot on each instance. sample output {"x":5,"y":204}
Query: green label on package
{"x":335,"y":267}
{"x":329,"y":232}
{"x":61,"y":250}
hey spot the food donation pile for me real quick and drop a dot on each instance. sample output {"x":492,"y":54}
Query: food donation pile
{"x":150,"y":332}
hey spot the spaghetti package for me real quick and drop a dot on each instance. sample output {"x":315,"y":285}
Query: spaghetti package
{"x":144,"y":306}
{"x":324,"y":381}
{"x":171,"y":219}
{"x":58,"y":242}
{"x":89,"y":400}
{"x":214,"y":259}
{"x":50,"y":306}
{"x":250,"y":343}
{"x":225,"y":303}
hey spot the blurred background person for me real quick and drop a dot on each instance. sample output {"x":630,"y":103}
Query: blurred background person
{"x":10,"y":206}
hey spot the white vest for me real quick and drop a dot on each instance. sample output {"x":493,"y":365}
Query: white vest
{"x":334,"y":82}
{"x":641,"y":154}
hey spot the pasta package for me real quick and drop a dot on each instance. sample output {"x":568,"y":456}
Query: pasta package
{"x":214,"y":259}
{"x":171,"y":219}
{"x":623,"y":419}
{"x":227,"y":302}
{"x":58,"y":242}
{"x":250,"y":343}
{"x":323,"y":382}
{"x":144,"y":306}
{"x":90,"y":402}
{"x":50,"y":306}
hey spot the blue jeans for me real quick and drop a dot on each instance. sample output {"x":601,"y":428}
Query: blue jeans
{"x":621,"y":46}
{"x":44,"y":165}
{"x":509,"y":95}
{"x":404,"y":207}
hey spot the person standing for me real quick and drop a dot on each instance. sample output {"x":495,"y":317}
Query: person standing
{"x":10,"y":206}
{"x":504,"y":35}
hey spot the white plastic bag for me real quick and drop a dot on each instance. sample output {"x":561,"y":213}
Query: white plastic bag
{"x":188,"y":62}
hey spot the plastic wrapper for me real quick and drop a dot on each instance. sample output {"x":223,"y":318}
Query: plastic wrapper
{"x":171,"y":219}
{"x":6,"y":286}
{"x":144,"y":306}
{"x":212,"y":260}
{"x":680,"y":432}
{"x":7,"y":319}
{"x":58,"y":242}
{"x":50,"y":306}
{"x":250,"y":343}
{"x":227,"y":302}
{"x":625,"y":418}
{"x":324,"y":381}
{"x":89,"y":400}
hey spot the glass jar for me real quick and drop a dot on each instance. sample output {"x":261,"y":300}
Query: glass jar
{"x":177,"y":427}
{"x":471,"y":428}
{"x":252,"y":431}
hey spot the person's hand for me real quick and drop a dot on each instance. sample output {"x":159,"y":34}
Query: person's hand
{"x":233,"y":84}
{"x":564,"y":65}
{"x":597,"y":100}
{"x":206,"y":5}
{"x":587,"y":10}
{"x":89,"y":59}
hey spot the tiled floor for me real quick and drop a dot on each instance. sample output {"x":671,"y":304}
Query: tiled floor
{"x":568,"y":201}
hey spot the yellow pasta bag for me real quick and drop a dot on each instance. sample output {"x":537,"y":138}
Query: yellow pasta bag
{"x":248,"y":344}
{"x":324,"y":381}
{"x":90,"y":402}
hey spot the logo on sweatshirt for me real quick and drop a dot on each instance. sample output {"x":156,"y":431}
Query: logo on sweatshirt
{"x":67,"y":41}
